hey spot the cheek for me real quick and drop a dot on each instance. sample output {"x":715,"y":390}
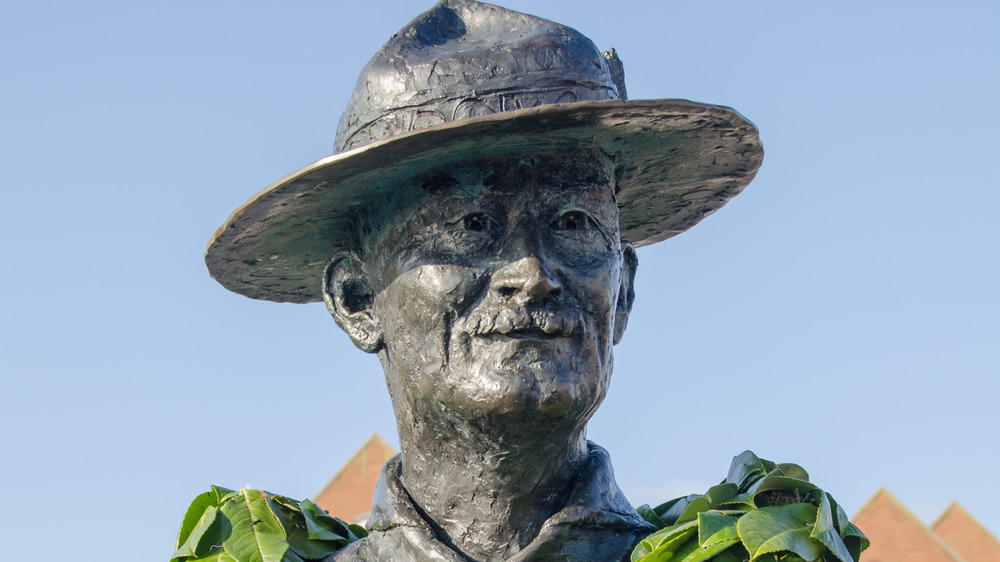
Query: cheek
{"x":599,"y":288}
{"x":416,"y":309}
{"x":422,"y":295}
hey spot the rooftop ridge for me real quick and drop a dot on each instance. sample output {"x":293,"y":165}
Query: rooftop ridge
{"x":374,"y":440}
{"x":966,"y":534}
{"x":897,"y":534}
{"x":348,"y":494}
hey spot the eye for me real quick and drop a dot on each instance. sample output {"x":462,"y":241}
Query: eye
{"x":476,"y":222}
{"x":470,"y":234}
{"x":572,"y":220}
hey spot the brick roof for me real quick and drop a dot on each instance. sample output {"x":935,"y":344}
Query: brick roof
{"x":966,"y":535}
{"x":897,"y":535}
{"x":349,"y":494}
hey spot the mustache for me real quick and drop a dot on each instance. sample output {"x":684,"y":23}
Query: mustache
{"x":505,"y":320}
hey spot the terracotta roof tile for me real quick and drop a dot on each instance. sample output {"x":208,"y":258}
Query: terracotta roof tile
{"x":349,"y":494}
{"x":897,"y":535}
{"x":966,"y":535}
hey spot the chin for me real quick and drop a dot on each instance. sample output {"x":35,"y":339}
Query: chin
{"x":529,"y":387}
{"x":573,"y":401}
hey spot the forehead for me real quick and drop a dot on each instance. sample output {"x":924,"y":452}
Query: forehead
{"x":581,"y":178}
{"x":584,"y":176}
{"x":563,"y":170}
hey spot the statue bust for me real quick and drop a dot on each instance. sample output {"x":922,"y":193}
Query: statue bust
{"x":476,"y":229}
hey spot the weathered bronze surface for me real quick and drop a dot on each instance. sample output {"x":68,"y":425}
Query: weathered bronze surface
{"x":476,"y":231}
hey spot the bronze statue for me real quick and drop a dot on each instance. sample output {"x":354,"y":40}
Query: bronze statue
{"x":476,"y":229}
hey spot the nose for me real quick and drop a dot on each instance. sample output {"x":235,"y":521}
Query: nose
{"x":527,"y":280}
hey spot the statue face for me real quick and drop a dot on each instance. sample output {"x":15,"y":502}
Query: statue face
{"x":499,"y":291}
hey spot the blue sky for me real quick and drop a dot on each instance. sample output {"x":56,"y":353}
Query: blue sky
{"x":841,"y":313}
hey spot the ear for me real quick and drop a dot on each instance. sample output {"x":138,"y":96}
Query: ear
{"x":626,"y":295}
{"x":348,"y":294}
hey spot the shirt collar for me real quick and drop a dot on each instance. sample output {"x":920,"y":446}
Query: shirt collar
{"x":597,"y":523}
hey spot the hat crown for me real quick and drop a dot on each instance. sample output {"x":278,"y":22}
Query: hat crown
{"x":464,"y":59}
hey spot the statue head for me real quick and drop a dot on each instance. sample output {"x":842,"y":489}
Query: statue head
{"x":495,"y":289}
{"x":476,"y":225}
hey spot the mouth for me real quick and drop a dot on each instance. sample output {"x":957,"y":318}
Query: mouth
{"x":520,"y":324}
{"x":530,"y":334}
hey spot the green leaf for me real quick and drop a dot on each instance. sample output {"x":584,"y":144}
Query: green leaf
{"x":855,"y":540}
{"x":206,"y":534}
{"x":693,"y":508}
{"x":793,"y":470}
{"x":693,"y":552}
{"x":744,"y":470}
{"x":257,"y":534}
{"x":671,"y":535}
{"x":220,"y":494}
{"x":202,"y":527}
{"x":735,"y":553}
{"x":661,"y":545}
{"x":650,"y":516}
{"x":779,"y":529}
{"x":321,"y":526}
{"x":357,"y":531}
{"x":721,"y":494}
{"x":194,"y":514}
{"x":217,"y":556}
{"x":671,"y":510}
{"x":196,"y":511}
{"x":739,"y":501}
{"x":782,"y":557}
{"x":714,"y":527}
{"x":765,"y":491}
{"x":826,"y":532}
{"x":214,"y":557}
{"x":306,"y":543}
{"x":639,"y":552}
{"x":840,"y":518}
{"x":293,"y":523}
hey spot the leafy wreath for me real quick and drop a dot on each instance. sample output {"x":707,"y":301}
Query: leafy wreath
{"x":761,"y":512}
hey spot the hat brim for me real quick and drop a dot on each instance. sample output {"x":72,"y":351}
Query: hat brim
{"x":676,"y":162}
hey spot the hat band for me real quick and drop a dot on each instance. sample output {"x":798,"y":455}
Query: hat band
{"x":477,"y":103}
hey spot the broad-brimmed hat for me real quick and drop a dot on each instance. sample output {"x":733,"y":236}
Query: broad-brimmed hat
{"x":467,"y":80}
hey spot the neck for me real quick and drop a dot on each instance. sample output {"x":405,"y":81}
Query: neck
{"x":487,"y":487}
